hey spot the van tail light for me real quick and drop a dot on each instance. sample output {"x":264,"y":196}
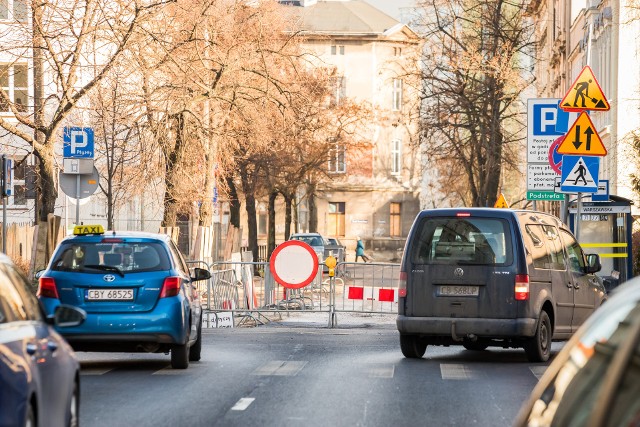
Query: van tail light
{"x":402,"y":284}
{"x":522,"y":287}
{"x":170,"y":287}
{"x":47,"y":288}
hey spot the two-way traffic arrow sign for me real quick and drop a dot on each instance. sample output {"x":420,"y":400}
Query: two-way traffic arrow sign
{"x":582,"y":139}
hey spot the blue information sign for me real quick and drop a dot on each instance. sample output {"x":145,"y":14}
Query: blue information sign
{"x":580,"y":174}
{"x":78,"y":142}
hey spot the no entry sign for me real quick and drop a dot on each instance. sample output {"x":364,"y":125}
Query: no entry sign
{"x":294,"y":264}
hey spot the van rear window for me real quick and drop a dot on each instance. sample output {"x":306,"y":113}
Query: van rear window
{"x":462,"y":240}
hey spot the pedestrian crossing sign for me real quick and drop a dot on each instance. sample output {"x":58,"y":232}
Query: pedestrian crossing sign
{"x":501,"y":202}
{"x":585,"y":94}
{"x":580,"y":174}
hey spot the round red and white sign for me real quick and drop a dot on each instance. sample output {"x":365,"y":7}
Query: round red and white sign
{"x":294,"y":264}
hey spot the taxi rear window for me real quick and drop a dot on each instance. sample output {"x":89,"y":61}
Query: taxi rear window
{"x":127,"y":257}
{"x":462,"y":240}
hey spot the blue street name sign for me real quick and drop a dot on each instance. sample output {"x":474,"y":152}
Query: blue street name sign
{"x":78,"y":142}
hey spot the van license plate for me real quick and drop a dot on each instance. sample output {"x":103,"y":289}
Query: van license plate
{"x":464,"y":291}
{"x":110,"y":295}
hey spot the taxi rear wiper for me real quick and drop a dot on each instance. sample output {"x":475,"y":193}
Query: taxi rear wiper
{"x":105,"y":268}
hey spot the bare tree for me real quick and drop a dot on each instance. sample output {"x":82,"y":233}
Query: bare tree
{"x":475,"y":68}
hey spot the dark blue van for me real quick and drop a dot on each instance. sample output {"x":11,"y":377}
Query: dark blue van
{"x":481,"y":277}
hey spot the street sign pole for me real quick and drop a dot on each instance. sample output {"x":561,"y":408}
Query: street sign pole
{"x":78,"y":199}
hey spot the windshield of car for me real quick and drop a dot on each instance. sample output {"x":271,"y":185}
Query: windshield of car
{"x":118,"y":257}
{"x":309,"y":240}
{"x":462,"y":240}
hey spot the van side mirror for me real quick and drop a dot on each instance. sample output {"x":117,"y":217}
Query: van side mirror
{"x":200,"y":274}
{"x":593,"y":263}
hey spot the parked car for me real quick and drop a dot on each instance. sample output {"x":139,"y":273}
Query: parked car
{"x":39,"y":372}
{"x":593,"y":380}
{"x":136,"y":288}
{"x":321,"y":245}
{"x":493,"y":277}
{"x":337,"y":248}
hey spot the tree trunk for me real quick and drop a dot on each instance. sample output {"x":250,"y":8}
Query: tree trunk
{"x":287,"y":216}
{"x":234,"y":203}
{"x":250,"y":207}
{"x":313,"y":212}
{"x":171,"y":161}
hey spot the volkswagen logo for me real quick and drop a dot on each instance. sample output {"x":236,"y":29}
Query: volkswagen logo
{"x":458,"y":272}
{"x":109,"y":278}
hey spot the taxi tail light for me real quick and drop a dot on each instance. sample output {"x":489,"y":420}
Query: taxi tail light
{"x":47,"y":288}
{"x":170,"y":287}
{"x":402,"y":284}
{"x":522,"y":287}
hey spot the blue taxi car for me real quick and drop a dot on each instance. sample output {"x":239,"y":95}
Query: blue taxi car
{"x":137,"y":291}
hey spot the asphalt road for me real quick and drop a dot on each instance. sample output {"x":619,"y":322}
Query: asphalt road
{"x":305,"y":376}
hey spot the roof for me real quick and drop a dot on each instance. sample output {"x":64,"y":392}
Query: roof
{"x":346,"y":17}
{"x":120,"y":234}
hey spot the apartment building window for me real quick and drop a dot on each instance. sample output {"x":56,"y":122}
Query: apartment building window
{"x":14,"y":9}
{"x":395,"y":226}
{"x":396,"y":157}
{"x":397,"y":51}
{"x":338,"y":86}
{"x":335,"y":219}
{"x":397,"y":95}
{"x":337,"y":163}
{"x":14,"y":82}
{"x":337,"y":49}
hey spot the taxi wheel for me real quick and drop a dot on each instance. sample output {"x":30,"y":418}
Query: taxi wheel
{"x":538,"y":347}
{"x":180,"y":356}
{"x":412,"y":347}
{"x":196,"y":348}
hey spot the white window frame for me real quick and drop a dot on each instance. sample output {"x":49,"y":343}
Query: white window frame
{"x":337,"y":49}
{"x":338,"y":90}
{"x":337,"y":158}
{"x":11,"y":89}
{"x":396,"y":156}
{"x":396,"y":95}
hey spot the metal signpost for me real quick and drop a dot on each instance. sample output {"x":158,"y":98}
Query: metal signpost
{"x":79,"y":178}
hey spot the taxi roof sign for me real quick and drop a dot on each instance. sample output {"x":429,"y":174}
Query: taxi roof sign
{"x":585,"y":94}
{"x":83,"y":230}
{"x":501,"y":202}
{"x":582,"y":139}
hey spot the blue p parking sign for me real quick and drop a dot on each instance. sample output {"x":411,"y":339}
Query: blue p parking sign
{"x":78,"y":142}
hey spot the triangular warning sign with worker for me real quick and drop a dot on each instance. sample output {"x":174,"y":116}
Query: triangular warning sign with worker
{"x":585,"y":94}
{"x":501,"y":202}
{"x":582,"y":139}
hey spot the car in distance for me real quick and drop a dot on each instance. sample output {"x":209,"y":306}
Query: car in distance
{"x":481,"y":277}
{"x":337,"y":249}
{"x":39,"y":372}
{"x":137,"y":291}
{"x":593,"y":380}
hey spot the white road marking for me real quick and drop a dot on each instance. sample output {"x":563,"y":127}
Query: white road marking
{"x":281,"y":368}
{"x":243,"y":404}
{"x":538,"y":371}
{"x":453,"y":371}
{"x":381,"y":371}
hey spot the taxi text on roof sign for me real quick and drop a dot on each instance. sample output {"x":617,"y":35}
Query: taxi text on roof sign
{"x":80,"y":230}
{"x":582,"y":139}
{"x":585,"y":94}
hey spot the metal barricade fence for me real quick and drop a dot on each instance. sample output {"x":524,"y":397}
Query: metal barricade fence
{"x":247,"y":291}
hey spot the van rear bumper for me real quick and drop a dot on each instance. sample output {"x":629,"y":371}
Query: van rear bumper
{"x":461,"y":327}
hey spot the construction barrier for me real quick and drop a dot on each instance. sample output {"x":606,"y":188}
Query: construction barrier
{"x":247,"y":292}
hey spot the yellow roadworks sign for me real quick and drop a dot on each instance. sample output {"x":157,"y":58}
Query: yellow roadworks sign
{"x":501,"y":202}
{"x":585,"y":94}
{"x":582,"y":139}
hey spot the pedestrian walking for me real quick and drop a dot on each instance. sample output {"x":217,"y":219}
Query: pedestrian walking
{"x":360,"y":251}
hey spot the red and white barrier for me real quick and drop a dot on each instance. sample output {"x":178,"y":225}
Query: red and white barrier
{"x":368,"y":293}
